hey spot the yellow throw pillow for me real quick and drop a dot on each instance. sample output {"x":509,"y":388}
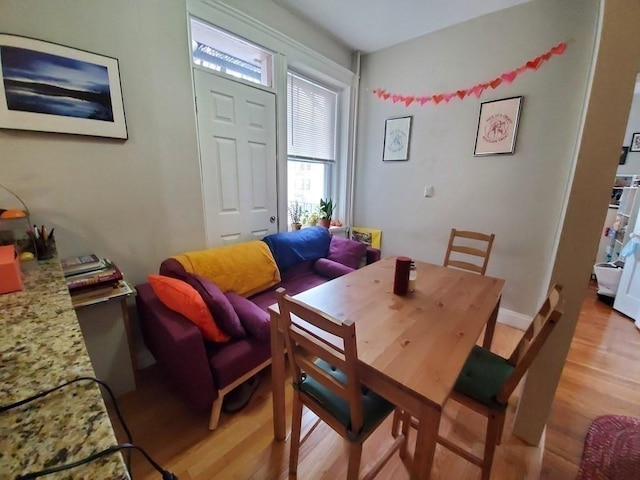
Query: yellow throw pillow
{"x":185,"y":300}
{"x":245,"y":268}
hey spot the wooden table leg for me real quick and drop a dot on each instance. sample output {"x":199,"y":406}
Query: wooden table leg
{"x":429,"y":423}
{"x":491,"y":327}
{"x":129,"y":333}
{"x":277,"y":379}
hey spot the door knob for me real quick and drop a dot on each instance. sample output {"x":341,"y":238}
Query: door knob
{"x":272,"y":219}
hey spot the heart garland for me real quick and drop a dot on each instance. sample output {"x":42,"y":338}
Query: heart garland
{"x":477,"y":90}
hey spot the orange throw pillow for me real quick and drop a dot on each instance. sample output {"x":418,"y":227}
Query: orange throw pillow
{"x":184,"y":299}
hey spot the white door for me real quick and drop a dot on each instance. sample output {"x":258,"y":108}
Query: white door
{"x":237,"y":138}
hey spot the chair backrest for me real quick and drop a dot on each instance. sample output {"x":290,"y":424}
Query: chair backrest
{"x":311,"y":334}
{"x":465,"y":244}
{"x":532,"y":341}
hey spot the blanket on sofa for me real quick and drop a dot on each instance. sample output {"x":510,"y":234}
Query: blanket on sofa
{"x":227,"y":267}
{"x":292,"y":248}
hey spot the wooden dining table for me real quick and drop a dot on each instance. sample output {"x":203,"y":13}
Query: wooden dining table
{"x":411,"y":348}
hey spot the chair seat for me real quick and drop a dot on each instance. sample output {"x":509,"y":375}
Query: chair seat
{"x":482,"y":376}
{"x":374,"y":407}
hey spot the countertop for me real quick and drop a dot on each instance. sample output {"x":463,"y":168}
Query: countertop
{"x":41,"y":347}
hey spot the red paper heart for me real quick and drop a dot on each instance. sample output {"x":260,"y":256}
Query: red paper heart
{"x":461,"y":94}
{"x":495,"y":83}
{"x":424,"y":100}
{"x":509,"y":76}
{"x":375,"y":91}
{"x":559,"y":49}
{"x":396,"y":98}
{"x":535,"y":63}
{"x":547,"y":56}
{"x":408,"y":100}
{"x":386,"y":95}
{"x":438,"y":98}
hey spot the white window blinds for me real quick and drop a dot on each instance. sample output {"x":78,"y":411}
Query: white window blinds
{"x":311,"y":123}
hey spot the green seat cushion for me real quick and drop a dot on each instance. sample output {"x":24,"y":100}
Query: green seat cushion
{"x":482,"y":376}
{"x":374,"y":407}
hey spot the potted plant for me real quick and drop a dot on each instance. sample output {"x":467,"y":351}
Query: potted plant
{"x":310,"y":218}
{"x":325,"y":212}
{"x":295,"y":213}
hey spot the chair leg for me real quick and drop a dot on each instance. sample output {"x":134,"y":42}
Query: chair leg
{"x":395,"y":425}
{"x":216,"y":408}
{"x":355,"y":454}
{"x":495,"y":421}
{"x":406,"y":424}
{"x":296,"y":426}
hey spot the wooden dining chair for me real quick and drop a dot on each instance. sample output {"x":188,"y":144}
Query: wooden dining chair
{"x":470,"y":250}
{"x":324,"y":362}
{"x":487,"y":381}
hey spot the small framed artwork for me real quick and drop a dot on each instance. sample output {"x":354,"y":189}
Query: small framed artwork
{"x":635,"y":143}
{"x":397,"y":134}
{"x":498,"y":126}
{"x":623,"y":155}
{"x":48,"y":87}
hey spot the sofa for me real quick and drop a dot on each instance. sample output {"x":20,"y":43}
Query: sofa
{"x":238,"y":283}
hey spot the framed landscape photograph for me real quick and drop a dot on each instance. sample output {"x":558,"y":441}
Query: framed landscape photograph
{"x":48,"y":87}
{"x":635,"y":143}
{"x":397,"y":133}
{"x":498,"y":127}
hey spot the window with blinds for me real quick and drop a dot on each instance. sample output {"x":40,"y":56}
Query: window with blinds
{"x":311,"y":140}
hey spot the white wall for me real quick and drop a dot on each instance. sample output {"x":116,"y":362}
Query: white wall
{"x":135,"y":201}
{"x":518,"y":197}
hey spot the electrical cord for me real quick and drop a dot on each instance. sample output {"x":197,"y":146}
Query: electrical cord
{"x":166,"y":475}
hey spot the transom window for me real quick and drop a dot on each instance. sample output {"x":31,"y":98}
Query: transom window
{"x":311,"y":140}
{"x":220,"y":51}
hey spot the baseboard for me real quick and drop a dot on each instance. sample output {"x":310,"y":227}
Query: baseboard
{"x":513,"y":319}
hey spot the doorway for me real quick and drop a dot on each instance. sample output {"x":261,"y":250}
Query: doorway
{"x":237,"y":140}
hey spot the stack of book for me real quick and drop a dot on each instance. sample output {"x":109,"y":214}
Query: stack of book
{"x":90,"y":273}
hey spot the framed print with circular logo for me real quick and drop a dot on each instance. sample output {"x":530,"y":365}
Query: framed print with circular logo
{"x":397,"y":133}
{"x":498,"y":126}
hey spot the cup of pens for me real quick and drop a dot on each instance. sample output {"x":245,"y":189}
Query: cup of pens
{"x":44,"y":241}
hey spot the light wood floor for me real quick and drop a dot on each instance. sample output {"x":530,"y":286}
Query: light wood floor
{"x":601,"y":376}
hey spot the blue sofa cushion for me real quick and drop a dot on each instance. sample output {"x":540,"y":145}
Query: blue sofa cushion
{"x":291,"y":248}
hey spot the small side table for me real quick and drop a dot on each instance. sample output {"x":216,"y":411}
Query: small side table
{"x":110,"y":348}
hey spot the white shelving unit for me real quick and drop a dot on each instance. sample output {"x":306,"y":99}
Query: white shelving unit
{"x":624,"y":222}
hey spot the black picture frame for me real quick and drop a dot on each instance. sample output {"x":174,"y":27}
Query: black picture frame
{"x":635,"y":143}
{"x":397,"y":138}
{"x":498,"y":126}
{"x":623,"y":155}
{"x":78,"y":92}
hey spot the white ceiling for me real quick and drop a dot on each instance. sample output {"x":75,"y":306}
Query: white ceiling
{"x":371,"y":25}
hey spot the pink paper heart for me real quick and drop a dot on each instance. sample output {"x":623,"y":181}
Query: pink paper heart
{"x":424,"y":100}
{"x":396,"y":98}
{"x":478,"y":89}
{"x":408,"y":100}
{"x":509,"y":77}
{"x":449,"y":96}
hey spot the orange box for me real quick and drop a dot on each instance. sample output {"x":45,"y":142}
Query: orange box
{"x":10,"y":275}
